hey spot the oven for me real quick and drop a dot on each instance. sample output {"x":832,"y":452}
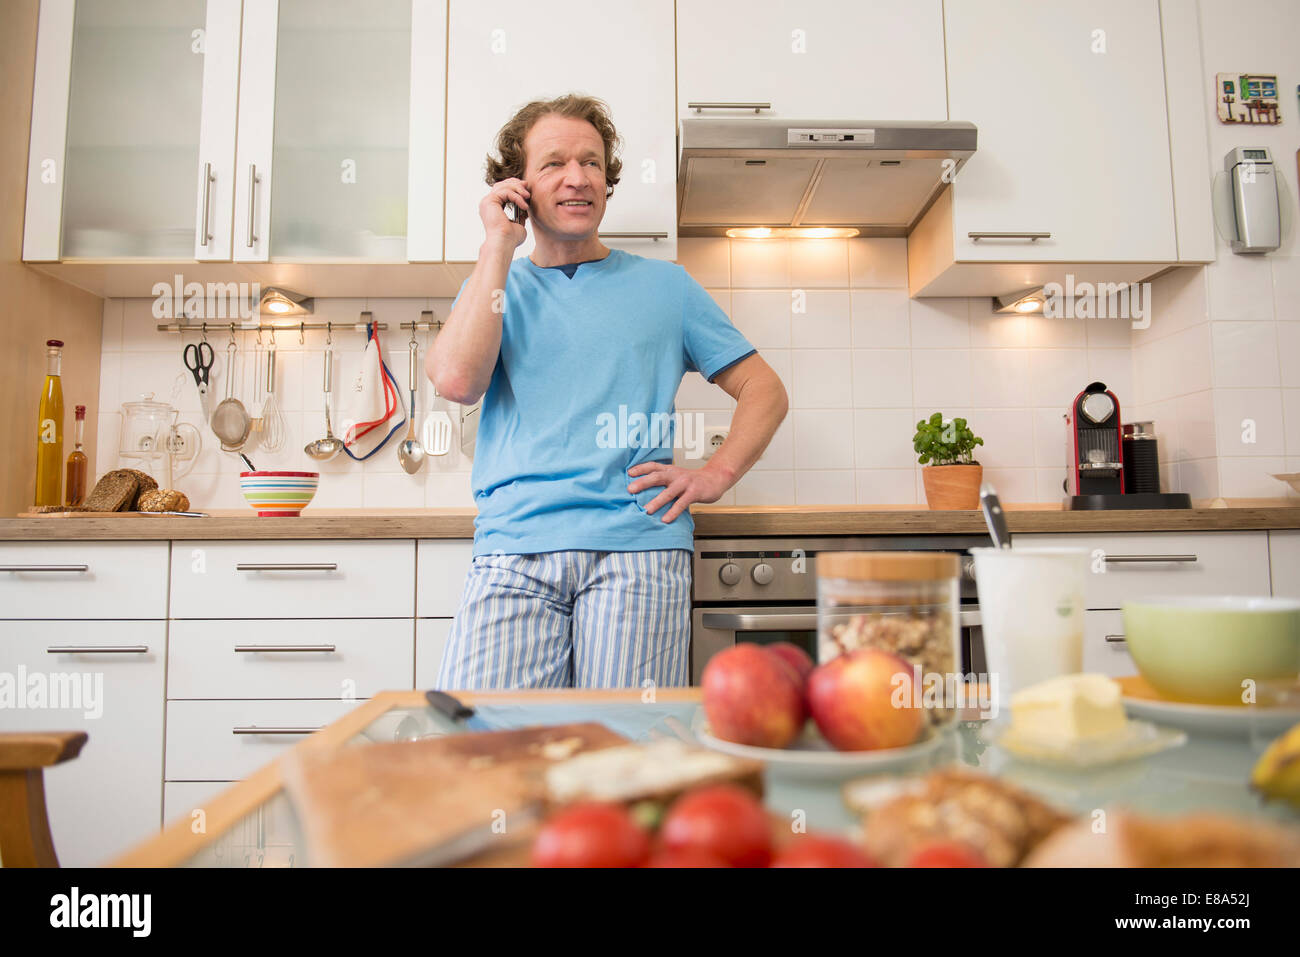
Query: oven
{"x":764,"y":590}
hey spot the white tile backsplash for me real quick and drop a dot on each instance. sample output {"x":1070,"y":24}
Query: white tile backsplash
{"x":824,"y":487}
{"x":762,"y":316}
{"x":824,"y":321}
{"x":882,"y":379}
{"x":822,"y":379}
{"x":880,"y":319}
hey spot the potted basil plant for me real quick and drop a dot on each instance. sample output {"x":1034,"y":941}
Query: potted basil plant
{"x":952,"y":477}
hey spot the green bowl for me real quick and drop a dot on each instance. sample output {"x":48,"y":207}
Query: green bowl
{"x":1203,"y":648}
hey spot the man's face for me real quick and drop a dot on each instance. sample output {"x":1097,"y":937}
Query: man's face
{"x":565,"y":174}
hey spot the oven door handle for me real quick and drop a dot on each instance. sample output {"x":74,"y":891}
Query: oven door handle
{"x":787,"y":621}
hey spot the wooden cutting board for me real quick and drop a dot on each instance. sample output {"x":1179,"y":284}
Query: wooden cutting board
{"x":376,"y":804}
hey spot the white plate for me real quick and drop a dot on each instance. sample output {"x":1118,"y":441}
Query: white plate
{"x":811,"y":757}
{"x":1138,"y":740}
{"x":1213,"y":719}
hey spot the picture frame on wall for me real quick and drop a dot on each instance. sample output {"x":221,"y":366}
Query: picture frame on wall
{"x":1250,"y":98}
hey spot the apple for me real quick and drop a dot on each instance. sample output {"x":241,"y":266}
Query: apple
{"x":753,"y":697}
{"x":795,"y":656}
{"x":852,"y":698}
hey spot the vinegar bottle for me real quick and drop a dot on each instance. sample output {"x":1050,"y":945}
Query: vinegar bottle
{"x":75,"y":487}
{"x":49,"y":431}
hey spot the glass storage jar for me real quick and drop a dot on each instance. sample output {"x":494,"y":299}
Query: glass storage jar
{"x":907,"y":603}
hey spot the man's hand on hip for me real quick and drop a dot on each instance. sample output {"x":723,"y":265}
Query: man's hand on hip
{"x":684,"y":485}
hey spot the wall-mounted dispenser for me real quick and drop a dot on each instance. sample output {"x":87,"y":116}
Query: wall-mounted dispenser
{"x":1255,"y":225}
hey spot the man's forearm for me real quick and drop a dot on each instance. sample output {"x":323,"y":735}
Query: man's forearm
{"x":761,"y":407}
{"x":465,"y":350}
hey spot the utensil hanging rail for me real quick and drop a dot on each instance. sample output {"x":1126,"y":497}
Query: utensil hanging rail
{"x":206,"y":327}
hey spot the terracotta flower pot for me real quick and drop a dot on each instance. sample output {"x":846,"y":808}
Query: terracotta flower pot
{"x":952,"y":486}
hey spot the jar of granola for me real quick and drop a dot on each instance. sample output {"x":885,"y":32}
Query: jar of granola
{"x":907,"y":603}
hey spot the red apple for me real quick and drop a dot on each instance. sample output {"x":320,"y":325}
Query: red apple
{"x":795,"y":656}
{"x":753,"y":697}
{"x":863,"y":701}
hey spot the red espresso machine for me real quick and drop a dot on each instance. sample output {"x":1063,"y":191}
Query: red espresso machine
{"x":1095,"y":442}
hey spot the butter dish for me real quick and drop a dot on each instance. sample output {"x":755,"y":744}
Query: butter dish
{"x":1137,"y":739}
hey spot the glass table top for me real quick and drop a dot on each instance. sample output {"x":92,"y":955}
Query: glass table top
{"x":1208,"y":773}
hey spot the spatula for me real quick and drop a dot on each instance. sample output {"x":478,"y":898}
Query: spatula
{"x":436,"y":433}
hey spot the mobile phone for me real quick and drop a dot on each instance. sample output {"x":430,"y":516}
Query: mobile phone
{"x":515,"y":214}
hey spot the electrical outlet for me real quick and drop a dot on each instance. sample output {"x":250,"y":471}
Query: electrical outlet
{"x":713,"y":439}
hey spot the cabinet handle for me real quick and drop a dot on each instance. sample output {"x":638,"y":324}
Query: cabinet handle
{"x":97,"y":650}
{"x":1115,"y":638}
{"x":208,"y":179}
{"x":252,"y":203}
{"x":1032,"y":237}
{"x":711,"y":105}
{"x":257,"y":730}
{"x":286,"y":567}
{"x":258,"y":649}
{"x":655,"y":236}
{"x":44,"y":568}
{"x":1139,"y":559}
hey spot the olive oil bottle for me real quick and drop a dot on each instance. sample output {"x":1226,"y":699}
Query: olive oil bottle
{"x":49,"y":431}
{"x":74,"y":489}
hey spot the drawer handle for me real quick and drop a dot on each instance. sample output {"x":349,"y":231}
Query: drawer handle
{"x":258,"y":649}
{"x":256,"y":730}
{"x":712,"y":105}
{"x":44,"y":568}
{"x":97,"y":650}
{"x":286,"y":567}
{"x":1032,"y":237}
{"x":1115,"y":638}
{"x":1138,"y":559}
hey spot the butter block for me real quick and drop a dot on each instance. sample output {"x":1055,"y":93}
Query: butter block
{"x":1071,"y":708}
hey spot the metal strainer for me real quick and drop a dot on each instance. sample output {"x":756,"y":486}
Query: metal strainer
{"x":230,"y":420}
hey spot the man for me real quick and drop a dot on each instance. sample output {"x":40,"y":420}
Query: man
{"x":581,"y":569}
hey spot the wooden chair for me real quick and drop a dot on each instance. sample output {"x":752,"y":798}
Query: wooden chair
{"x":24,"y":828}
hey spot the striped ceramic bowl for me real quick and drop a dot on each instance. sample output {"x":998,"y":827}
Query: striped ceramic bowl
{"x":278,"y":494}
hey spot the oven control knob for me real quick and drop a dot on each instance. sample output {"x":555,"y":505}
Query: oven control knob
{"x":729,"y":573}
{"x":762,"y":573}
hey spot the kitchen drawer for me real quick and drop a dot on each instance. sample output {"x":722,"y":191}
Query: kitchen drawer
{"x":1124,"y":566}
{"x":265,"y":838}
{"x":293,"y":579}
{"x":83,"y":579}
{"x":442,"y":566}
{"x":1284,"y":562}
{"x":1104,"y":650}
{"x":203,"y":746}
{"x":295,"y":658}
{"x":108,"y":798}
{"x":430,"y":644}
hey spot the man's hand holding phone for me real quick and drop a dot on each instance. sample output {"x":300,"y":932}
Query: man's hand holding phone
{"x":509,"y":196}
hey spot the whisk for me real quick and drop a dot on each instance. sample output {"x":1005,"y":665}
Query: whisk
{"x":272,"y":418}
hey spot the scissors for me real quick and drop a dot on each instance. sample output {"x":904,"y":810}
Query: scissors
{"x":198,"y":359}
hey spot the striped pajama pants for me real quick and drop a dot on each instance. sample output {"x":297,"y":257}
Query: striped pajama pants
{"x":572,"y":619}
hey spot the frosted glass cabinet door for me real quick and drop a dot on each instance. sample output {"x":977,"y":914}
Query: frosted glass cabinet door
{"x":333,"y":128}
{"x":118,"y":113}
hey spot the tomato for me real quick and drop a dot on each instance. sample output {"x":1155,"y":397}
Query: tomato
{"x":685,"y":857}
{"x":945,"y":854}
{"x":814,"y":851}
{"x":591,"y":834}
{"x":724,"y":820}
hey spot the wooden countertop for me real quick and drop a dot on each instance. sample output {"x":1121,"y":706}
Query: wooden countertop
{"x":711,"y":521}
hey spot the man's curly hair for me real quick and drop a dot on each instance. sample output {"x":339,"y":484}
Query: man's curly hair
{"x":510,"y":141}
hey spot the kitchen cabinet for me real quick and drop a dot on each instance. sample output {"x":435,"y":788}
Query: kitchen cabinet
{"x":341,"y":109}
{"x":132,"y":146}
{"x":872,"y":59}
{"x":337,"y":109}
{"x":1126,"y":566}
{"x":1284,"y":559}
{"x":62,"y":580}
{"x":228,"y":740}
{"x":502,"y":55}
{"x":1073,"y":113}
{"x":293,"y":579}
{"x":1104,"y":649}
{"x":431,"y":635}
{"x":111,"y":687}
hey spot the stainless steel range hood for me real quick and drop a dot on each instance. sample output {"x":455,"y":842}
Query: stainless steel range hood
{"x":766,"y":171}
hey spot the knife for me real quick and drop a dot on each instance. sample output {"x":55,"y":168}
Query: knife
{"x":994,"y":516}
{"x":456,"y":711}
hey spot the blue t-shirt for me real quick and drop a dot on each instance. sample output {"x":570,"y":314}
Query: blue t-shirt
{"x":583,"y":390}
